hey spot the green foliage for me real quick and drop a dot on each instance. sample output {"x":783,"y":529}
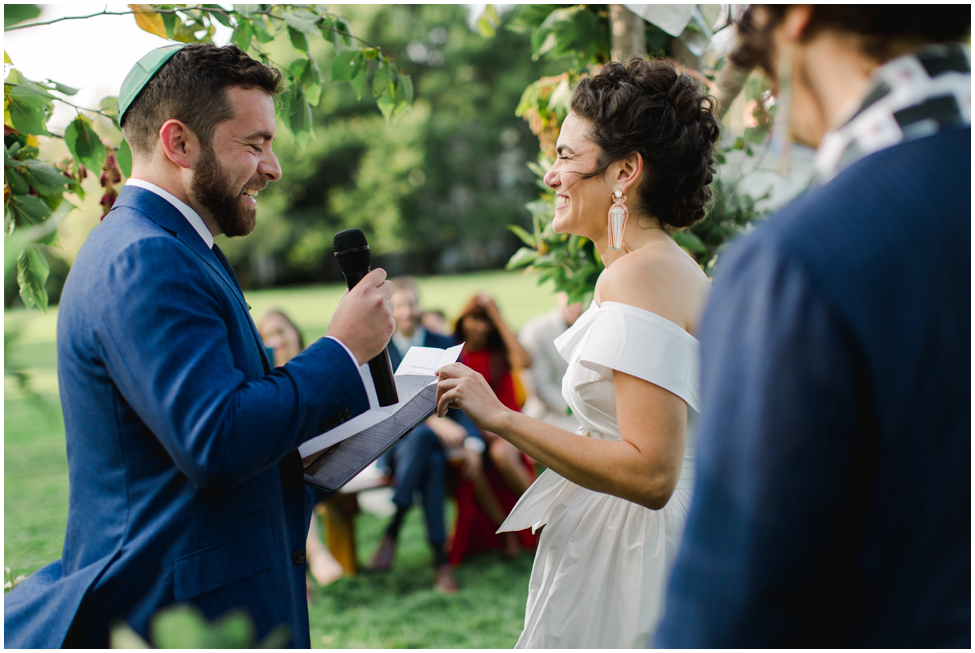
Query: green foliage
{"x":84,"y":144}
{"x":15,"y":13}
{"x":433,"y":189}
{"x":185,"y":627}
{"x":34,"y":189}
{"x":579,"y":34}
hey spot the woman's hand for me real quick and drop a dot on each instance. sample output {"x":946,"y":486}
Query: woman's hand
{"x":486,"y":302}
{"x":461,"y":387}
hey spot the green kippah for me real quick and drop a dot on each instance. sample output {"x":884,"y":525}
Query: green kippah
{"x":141,"y":73}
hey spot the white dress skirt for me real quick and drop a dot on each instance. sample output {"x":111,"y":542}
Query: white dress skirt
{"x":602,"y":562}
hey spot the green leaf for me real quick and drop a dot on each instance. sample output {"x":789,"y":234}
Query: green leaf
{"x":689,"y":241}
{"x":180,"y":626}
{"x":311,"y":80}
{"x":124,"y":158}
{"x":343,"y":26}
{"x":219,"y":16}
{"x":109,"y":105}
{"x":525,"y":237}
{"x":247,"y":10}
{"x":84,"y":144}
{"x":299,"y":112}
{"x":259,"y":26}
{"x":560,"y":97}
{"x":169,"y":24}
{"x":380,"y":81}
{"x":277,"y":638}
{"x":17,"y":182}
{"x":29,"y":209}
{"x":521,"y":258}
{"x":30,"y":94}
{"x":301,"y":20}
{"x":344,"y":65}
{"x":66,"y":90}
{"x":242,"y":36}
{"x":298,"y":39}
{"x":44,"y":178}
{"x":122,"y":637}
{"x":386,"y":104}
{"x":233,"y":629}
{"x":298,"y":67}
{"x":32,"y":271}
{"x":359,"y":81}
{"x":488,"y":23}
{"x":14,"y":14}
{"x":404,"y":89}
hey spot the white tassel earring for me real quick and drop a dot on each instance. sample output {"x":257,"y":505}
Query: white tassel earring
{"x":617,"y":219}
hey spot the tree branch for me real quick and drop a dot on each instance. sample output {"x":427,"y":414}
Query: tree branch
{"x":214,"y":10}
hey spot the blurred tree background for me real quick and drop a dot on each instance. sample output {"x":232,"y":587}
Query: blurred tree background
{"x":434,"y":189}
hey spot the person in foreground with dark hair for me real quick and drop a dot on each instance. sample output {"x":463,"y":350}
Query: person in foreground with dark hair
{"x":635,"y":157}
{"x":832,"y":506}
{"x":185,"y":482}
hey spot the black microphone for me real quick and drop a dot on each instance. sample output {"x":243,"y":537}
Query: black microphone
{"x":352,"y":253}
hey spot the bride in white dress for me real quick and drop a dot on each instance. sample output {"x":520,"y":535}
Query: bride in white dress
{"x":615,"y":495}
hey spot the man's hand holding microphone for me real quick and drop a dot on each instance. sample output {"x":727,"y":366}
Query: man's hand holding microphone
{"x":363,"y":321}
{"x":370,"y":332}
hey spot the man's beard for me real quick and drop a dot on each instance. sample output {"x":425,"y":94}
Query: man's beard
{"x":211,"y":189}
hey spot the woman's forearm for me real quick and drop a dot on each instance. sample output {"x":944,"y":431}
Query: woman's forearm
{"x":613,"y":467}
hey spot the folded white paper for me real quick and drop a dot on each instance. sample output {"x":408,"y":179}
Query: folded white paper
{"x":415,"y":371}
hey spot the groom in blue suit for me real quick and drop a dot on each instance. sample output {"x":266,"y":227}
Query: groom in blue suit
{"x":185,"y":483}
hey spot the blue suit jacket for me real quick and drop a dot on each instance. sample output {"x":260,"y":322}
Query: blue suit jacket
{"x":832,"y":504}
{"x":185,"y":485}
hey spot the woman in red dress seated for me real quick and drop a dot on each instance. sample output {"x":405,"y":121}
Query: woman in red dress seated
{"x":492,"y":350}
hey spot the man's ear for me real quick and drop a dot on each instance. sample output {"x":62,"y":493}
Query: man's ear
{"x":179,"y":143}
{"x":627,"y":171}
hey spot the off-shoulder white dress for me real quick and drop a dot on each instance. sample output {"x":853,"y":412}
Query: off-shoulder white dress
{"x":602,"y":562}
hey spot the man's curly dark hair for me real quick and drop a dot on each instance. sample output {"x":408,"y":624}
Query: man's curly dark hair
{"x":192,"y":87}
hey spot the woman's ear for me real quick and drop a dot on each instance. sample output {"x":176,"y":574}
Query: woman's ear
{"x":179,"y":143}
{"x":627,"y":171}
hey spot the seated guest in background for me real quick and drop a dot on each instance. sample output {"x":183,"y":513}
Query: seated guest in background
{"x":435,"y":321}
{"x":537,"y":336}
{"x":284,"y":339}
{"x":491,"y":348}
{"x":832,"y":507}
{"x":418,"y":460}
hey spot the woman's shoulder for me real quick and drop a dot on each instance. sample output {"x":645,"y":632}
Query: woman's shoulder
{"x":662,"y":280}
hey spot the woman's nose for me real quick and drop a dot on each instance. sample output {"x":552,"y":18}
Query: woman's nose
{"x":551,"y":178}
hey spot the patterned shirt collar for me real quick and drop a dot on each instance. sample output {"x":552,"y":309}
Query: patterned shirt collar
{"x":910,"y":97}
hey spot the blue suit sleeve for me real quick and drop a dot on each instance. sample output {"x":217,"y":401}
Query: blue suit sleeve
{"x":775,"y":456}
{"x":166,"y":344}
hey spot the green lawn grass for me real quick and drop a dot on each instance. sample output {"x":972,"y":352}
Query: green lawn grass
{"x":372,"y":610}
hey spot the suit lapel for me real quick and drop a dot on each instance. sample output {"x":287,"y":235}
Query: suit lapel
{"x":167,"y":216}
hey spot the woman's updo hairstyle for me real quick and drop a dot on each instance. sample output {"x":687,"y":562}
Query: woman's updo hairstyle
{"x":650,"y":108}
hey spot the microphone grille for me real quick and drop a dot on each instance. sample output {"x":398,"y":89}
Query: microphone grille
{"x":351,"y":251}
{"x":349,"y":239}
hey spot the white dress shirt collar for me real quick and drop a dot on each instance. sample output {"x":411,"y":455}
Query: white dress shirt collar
{"x":191,"y":216}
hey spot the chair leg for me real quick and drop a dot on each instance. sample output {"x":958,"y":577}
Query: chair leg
{"x":340,"y":512}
